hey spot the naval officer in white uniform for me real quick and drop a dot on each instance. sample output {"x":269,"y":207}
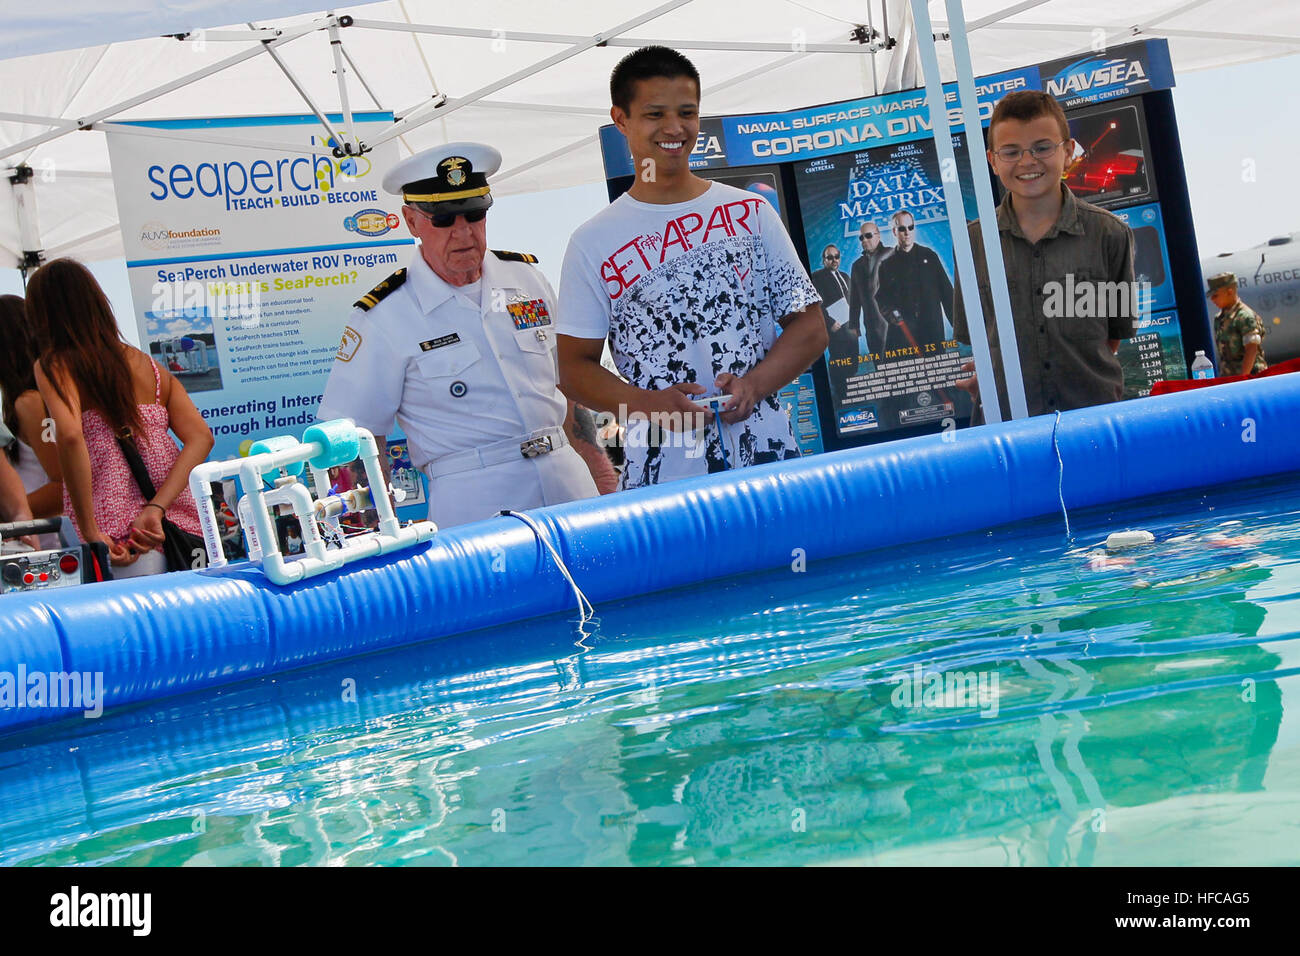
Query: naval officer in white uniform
{"x":459,"y":347}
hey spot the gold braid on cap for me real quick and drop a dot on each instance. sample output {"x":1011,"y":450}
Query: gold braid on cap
{"x":446,"y":197}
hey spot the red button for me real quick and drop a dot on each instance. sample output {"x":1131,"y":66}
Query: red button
{"x":44,"y":576}
{"x":28,"y":578}
{"x":68,"y":563}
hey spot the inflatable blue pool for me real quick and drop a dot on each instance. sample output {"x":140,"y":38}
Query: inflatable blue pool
{"x":155,"y":637}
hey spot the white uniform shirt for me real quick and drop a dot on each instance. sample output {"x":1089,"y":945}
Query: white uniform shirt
{"x":455,"y":373}
{"x":459,"y":374}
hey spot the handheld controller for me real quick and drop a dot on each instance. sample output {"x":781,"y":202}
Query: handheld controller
{"x":714,"y":403}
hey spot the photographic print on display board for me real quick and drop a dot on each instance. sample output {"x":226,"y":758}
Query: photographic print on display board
{"x":876,"y":229}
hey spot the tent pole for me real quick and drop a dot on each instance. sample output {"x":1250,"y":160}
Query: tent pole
{"x":361,"y":79}
{"x":1177,"y":11}
{"x":29,"y":229}
{"x":411,"y":122}
{"x":261,"y":34}
{"x":739,"y":46}
{"x":88,"y":121}
{"x":336,"y":47}
{"x":998,"y":15}
{"x":473,"y":33}
{"x":962,"y":256}
{"x":55,"y":251}
{"x":127,"y":129}
{"x":1243,"y":37}
{"x":631,"y":42}
{"x":989,"y":234}
{"x":871,"y":30}
{"x":311,"y":105}
{"x":370,"y":92}
{"x":541,"y":108}
{"x":37,"y":120}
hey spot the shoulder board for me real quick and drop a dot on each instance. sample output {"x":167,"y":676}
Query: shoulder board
{"x":514,"y":256}
{"x":381,"y":291}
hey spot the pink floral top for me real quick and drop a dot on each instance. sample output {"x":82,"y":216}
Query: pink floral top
{"x":115,"y":496}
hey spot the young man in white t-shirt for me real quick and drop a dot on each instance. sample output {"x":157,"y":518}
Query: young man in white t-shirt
{"x":689,"y":281}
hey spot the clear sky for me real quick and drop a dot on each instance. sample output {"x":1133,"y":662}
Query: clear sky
{"x":1240,"y":146}
{"x":1239,"y":142}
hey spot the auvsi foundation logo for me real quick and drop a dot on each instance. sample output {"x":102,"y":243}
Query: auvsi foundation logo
{"x":157,"y":236}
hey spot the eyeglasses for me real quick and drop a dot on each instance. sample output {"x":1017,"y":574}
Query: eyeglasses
{"x":1012,"y":154}
{"x":901,"y":228}
{"x":869,"y":235}
{"x":445,"y":220}
{"x":831,"y":255}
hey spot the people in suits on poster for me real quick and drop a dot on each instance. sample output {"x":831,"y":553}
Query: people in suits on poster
{"x":915,"y":292}
{"x":864,"y":283}
{"x":833,"y":286}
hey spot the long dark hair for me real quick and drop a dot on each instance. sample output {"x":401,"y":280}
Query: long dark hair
{"x":80,"y":339}
{"x":16,"y":360}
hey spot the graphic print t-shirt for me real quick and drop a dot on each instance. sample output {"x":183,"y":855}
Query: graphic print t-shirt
{"x":685,"y":292}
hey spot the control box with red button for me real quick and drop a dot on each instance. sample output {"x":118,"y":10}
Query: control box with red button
{"x":69,"y":565}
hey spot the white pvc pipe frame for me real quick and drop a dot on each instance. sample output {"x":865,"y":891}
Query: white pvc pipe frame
{"x":255,"y":512}
{"x":962,"y":257}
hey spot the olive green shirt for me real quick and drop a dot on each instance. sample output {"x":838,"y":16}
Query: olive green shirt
{"x":1064,"y":304}
{"x":1231,"y":326}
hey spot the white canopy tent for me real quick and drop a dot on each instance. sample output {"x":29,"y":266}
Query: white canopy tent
{"x":531,"y":78}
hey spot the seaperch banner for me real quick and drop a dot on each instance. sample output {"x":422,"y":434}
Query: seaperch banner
{"x":244,"y":261}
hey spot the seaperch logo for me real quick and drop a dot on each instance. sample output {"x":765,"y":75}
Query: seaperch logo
{"x":263,"y":183}
{"x":1096,"y":79}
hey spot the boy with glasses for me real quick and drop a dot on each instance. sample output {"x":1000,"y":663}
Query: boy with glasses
{"x":1067,"y":354}
{"x":459,"y":348}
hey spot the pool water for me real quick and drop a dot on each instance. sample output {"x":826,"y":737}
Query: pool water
{"x":1004,"y":697}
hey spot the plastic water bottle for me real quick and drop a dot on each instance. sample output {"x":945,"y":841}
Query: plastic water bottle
{"x":1202,"y":367}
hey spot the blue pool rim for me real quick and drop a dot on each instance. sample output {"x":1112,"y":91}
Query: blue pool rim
{"x":170,"y":634}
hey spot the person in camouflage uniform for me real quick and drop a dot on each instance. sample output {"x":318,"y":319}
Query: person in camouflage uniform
{"x":1238,"y":330}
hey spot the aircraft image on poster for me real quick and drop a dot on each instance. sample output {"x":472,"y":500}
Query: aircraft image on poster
{"x":1268,"y":280}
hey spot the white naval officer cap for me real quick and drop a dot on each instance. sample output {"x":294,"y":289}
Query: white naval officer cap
{"x":451,"y":178}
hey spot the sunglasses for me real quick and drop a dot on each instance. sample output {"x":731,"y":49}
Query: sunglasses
{"x":445,"y":220}
{"x":911,"y":228}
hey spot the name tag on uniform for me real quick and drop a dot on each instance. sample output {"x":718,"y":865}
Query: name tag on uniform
{"x":529,"y":313}
{"x":440,"y":341}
